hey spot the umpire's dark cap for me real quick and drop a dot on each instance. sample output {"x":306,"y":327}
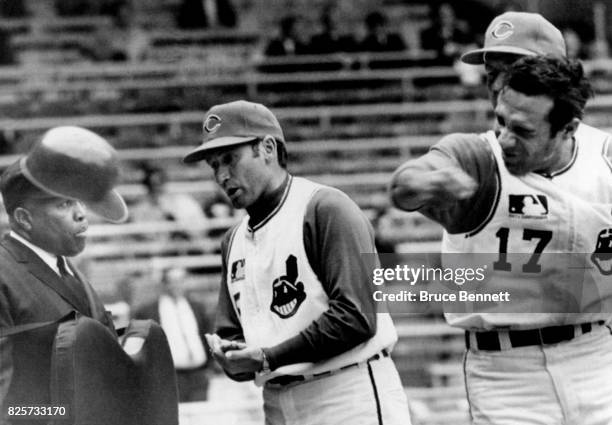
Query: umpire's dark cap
{"x":16,"y":188}
{"x":521,"y":34}
{"x":68,"y":162}
{"x":235,"y":123}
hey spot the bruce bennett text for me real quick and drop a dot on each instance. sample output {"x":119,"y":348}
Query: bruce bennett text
{"x":426,"y":296}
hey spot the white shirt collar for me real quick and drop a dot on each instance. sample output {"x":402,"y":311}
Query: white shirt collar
{"x":47,"y":257}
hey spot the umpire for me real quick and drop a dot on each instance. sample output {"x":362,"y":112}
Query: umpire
{"x":45,"y":194}
{"x":295,"y":308}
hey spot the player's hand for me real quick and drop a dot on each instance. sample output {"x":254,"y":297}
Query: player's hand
{"x":246,"y":360}
{"x":234,"y":356}
{"x":412,"y":189}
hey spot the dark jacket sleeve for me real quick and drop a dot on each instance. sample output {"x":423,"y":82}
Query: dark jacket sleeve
{"x":6,"y":352}
{"x":6,"y":372}
{"x":227,"y":324}
{"x":336,"y":233}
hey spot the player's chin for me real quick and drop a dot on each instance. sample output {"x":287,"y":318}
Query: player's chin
{"x":516,"y":167}
{"x":240,"y":202}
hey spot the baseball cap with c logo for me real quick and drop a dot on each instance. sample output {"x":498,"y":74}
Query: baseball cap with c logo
{"x":521,"y":34}
{"x":212,"y":123}
{"x":235,"y":123}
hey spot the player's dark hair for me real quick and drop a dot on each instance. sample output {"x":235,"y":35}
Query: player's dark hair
{"x":281,"y":151}
{"x":562,"y":80}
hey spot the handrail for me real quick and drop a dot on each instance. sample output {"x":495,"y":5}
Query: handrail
{"x":30,"y":24}
{"x":131,"y":229}
{"x":322,"y":113}
{"x":252,"y":80}
{"x":298,"y":148}
{"x":109,"y":68}
{"x":286,"y":113}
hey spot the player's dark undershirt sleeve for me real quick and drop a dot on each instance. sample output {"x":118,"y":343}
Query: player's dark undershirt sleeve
{"x":473,"y":155}
{"x":227,"y":324}
{"x":336,"y":232}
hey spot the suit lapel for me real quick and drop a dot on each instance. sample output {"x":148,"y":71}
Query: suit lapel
{"x":37,"y":267}
{"x":97,"y":308}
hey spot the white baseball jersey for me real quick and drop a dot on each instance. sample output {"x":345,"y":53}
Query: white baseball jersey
{"x":274,"y":290}
{"x":536,"y":216}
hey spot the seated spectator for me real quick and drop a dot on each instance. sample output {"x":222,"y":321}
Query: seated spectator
{"x":218,"y":208}
{"x":289,"y":41}
{"x":329,"y":39}
{"x":161,"y":205}
{"x":509,"y":6}
{"x":13,"y":9}
{"x":576,"y":49}
{"x":185,"y":321}
{"x":124,"y":40}
{"x":199,"y":14}
{"x":384,"y":231}
{"x":72,"y":7}
{"x":378,"y":38}
{"x":7,"y":54}
{"x":447,"y":35}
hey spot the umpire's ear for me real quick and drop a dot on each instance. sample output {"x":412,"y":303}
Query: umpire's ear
{"x":23,"y":218}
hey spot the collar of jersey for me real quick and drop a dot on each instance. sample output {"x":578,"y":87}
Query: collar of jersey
{"x":274,"y":211}
{"x":568,"y":165}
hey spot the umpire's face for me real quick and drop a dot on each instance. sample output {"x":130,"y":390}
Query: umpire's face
{"x":57,"y":225}
{"x":244,"y":171}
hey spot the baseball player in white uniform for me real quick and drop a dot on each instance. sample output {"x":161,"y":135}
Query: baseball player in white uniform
{"x":295,"y":310}
{"x":541,"y":183}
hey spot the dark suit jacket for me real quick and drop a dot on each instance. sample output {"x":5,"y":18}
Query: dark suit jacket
{"x":151,"y":311}
{"x":31,"y":292}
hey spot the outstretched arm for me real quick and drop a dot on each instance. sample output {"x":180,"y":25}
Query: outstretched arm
{"x":455,"y":184}
{"x":433,"y":179}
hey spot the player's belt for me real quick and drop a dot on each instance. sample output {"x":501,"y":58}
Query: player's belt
{"x":290,"y":379}
{"x":504,"y":340}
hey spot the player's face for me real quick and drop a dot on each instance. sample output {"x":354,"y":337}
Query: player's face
{"x":495,"y":67}
{"x":525,"y":133}
{"x":241,"y":172}
{"x":58,"y":225}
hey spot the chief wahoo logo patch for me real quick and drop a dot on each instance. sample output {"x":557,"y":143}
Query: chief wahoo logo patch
{"x":287,"y":293}
{"x":602,"y":256}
